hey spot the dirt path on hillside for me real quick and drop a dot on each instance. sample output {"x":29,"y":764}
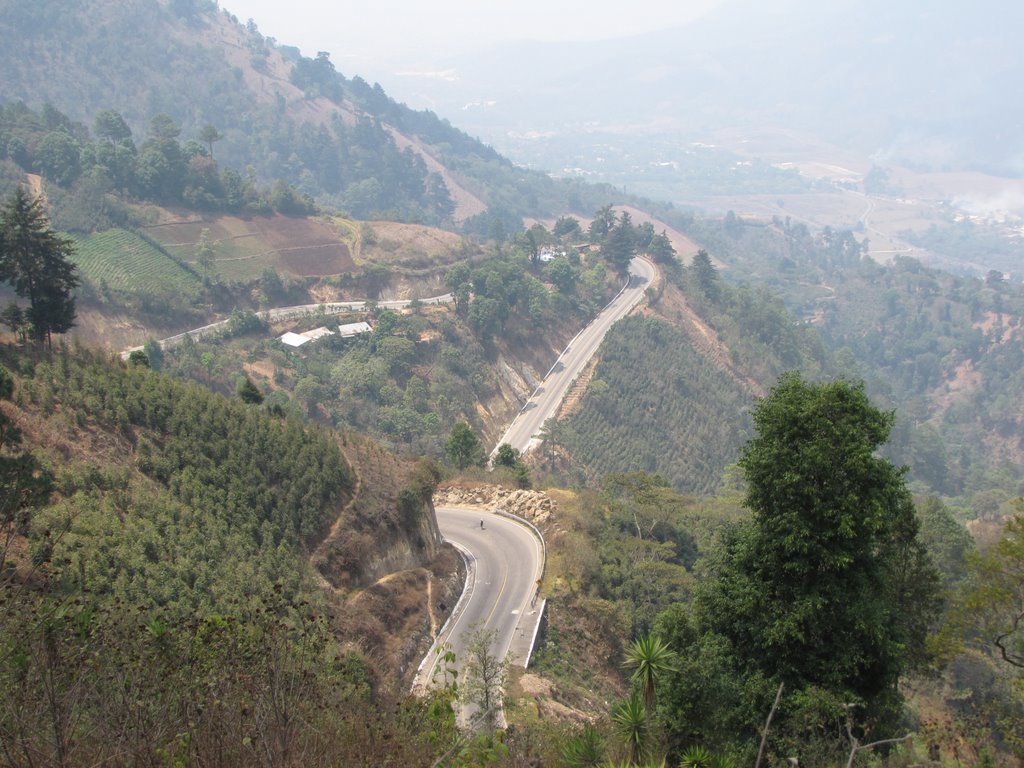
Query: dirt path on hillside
{"x":706,"y":342}
{"x":320,"y":553}
{"x":466,"y":203}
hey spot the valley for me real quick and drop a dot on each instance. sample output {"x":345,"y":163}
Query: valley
{"x":705,"y":405}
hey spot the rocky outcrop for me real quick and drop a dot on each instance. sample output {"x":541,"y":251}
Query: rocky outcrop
{"x":535,"y":506}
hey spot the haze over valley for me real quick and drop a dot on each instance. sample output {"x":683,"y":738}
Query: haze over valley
{"x":511,"y":385}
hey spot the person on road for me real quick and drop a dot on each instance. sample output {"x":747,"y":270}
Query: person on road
{"x":481,"y":525}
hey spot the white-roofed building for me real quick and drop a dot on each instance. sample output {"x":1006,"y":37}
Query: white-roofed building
{"x":349,"y":330}
{"x":318,"y":333}
{"x":298,"y":339}
{"x":294,"y":339}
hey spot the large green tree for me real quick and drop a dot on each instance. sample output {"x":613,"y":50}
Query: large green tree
{"x":620,"y":246}
{"x":705,"y":274}
{"x":464,"y":448}
{"x":35,"y":260}
{"x":827,"y":587}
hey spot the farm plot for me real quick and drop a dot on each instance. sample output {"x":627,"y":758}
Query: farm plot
{"x":243,"y":248}
{"x":126,"y":262}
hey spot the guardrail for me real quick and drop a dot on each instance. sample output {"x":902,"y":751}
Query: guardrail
{"x":536,"y":634}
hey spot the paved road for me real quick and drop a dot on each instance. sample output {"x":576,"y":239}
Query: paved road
{"x":505,"y":561}
{"x":282,"y":313}
{"x":546,"y":399}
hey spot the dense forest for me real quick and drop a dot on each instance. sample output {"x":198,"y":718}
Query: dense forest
{"x":941,"y":349}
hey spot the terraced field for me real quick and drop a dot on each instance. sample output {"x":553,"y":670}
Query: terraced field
{"x":126,"y":262}
{"x":243,"y":248}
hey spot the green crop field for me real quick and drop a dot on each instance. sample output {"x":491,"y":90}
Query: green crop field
{"x":125,"y":262}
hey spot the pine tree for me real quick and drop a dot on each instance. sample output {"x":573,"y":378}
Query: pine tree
{"x":35,"y":261}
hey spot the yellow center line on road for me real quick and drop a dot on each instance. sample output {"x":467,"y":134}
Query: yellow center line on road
{"x":498,"y":598}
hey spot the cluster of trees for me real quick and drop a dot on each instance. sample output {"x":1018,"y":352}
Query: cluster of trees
{"x":814,"y":602}
{"x":107,"y":160}
{"x":356,"y":168}
{"x":621,"y":240}
{"x":511,"y":296}
{"x":167,"y":615}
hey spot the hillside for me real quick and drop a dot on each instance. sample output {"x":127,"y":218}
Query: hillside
{"x":258,"y":105}
{"x":172,"y":534}
{"x":942,"y":351}
{"x":422,"y":368}
{"x":269,"y":488}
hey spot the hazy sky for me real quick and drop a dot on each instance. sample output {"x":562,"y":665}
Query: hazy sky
{"x":373,"y":36}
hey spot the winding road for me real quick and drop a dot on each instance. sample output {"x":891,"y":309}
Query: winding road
{"x":505,"y":559}
{"x":522,"y":434}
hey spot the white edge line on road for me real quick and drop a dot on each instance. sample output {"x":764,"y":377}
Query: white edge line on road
{"x":567,"y":347}
{"x":457,"y":612}
{"x":539,"y":537}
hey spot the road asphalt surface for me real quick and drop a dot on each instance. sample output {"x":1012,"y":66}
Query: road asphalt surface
{"x":505,"y":557}
{"x":547,"y":398}
{"x":505,"y":560}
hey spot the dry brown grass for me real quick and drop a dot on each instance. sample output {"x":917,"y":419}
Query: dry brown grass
{"x":408,"y":245}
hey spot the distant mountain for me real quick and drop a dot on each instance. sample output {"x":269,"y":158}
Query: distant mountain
{"x":924,"y":84}
{"x":340,"y":140}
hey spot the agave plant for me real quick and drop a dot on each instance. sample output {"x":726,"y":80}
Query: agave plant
{"x":651,"y":659}
{"x":696,"y":757}
{"x":630,"y":718}
{"x":584,"y":750}
{"x":699,"y":757}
